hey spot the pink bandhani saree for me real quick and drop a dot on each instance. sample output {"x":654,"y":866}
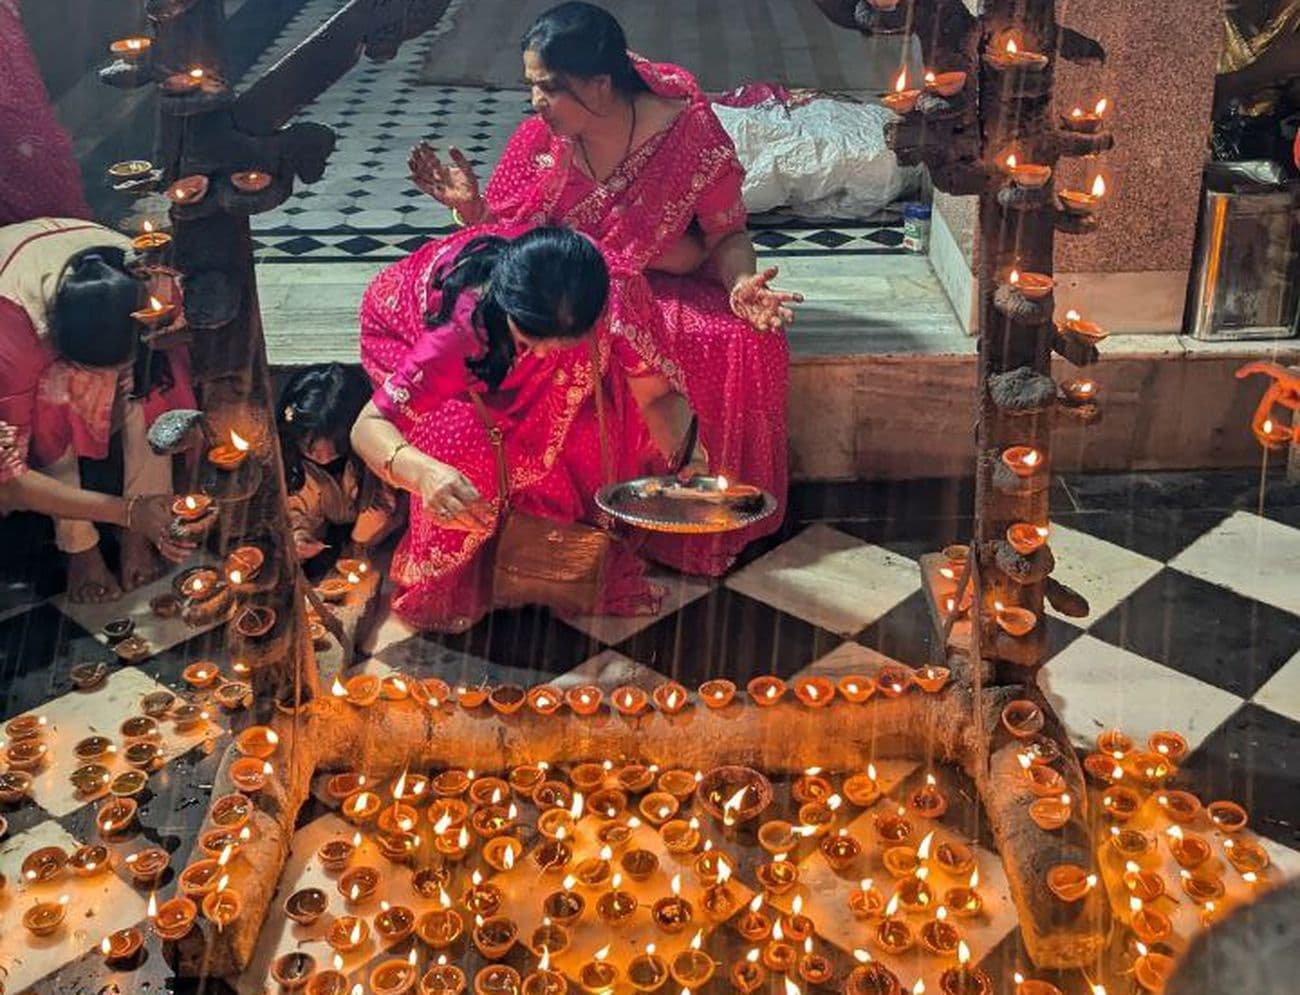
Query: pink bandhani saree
{"x":547,"y":412}
{"x":38,"y":174}
{"x":735,"y":376}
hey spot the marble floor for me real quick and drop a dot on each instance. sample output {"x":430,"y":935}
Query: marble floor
{"x":1194,"y":627}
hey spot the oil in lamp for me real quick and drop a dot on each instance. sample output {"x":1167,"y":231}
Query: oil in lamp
{"x":755,"y":924}
{"x":863,"y":790}
{"x":778,"y":954}
{"x":1069,"y":882}
{"x":893,"y":827}
{"x":647,"y":971}
{"x":442,"y":979}
{"x":1151,"y":969}
{"x":1246,"y":856}
{"x":963,"y":979}
{"x":720,"y":899}
{"x":866,"y":901}
{"x":598,"y":975}
{"x":348,"y":933}
{"x":928,"y":801}
{"x":397,"y":976}
{"x":939,"y":936}
{"x":894,"y":935}
{"x":965,"y":901}
{"x":1148,"y":925}
{"x":594,"y":872}
{"x":616,"y":907}
{"x":222,"y":905}
{"x":497,"y":979}
{"x":692,"y":968}
{"x":1146,"y":885}
{"x":131,"y":48}
{"x":230,"y":455}
{"x":870,"y":977}
{"x":840,"y":850}
{"x":1029,"y":175}
{"x":1086,"y":121}
{"x":494,"y":936}
{"x":1189,"y":849}
{"x":1227,"y":817}
{"x":1120,"y":803}
{"x":747,"y":975}
{"x":1168,"y":744}
{"x":680,"y":836}
{"x":811,"y":786}
{"x":639,"y":864}
{"x":1050,"y":813}
{"x":814,"y":968}
{"x":1201,"y":887}
{"x":174,"y":918}
{"x":120,"y":947}
{"x":779,"y":875}
{"x":670,"y":697}
{"x":902,"y":99}
{"x":1180,"y":806}
{"x":1082,"y":203}
{"x":672,"y":913}
{"x":441,"y":927}
{"x":45,"y":918}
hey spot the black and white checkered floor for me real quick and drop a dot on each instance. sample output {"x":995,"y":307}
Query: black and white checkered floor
{"x":1195,"y":627}
{"x":365,"y":209}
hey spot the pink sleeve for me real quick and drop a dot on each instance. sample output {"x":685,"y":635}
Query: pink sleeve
{"x":13,"y":453}
{"x":720,"y":208}
{"x":514,"y":180}
{"x":23,"y":357}
{"x":433,"y":371}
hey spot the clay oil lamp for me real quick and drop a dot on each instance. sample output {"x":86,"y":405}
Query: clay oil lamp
{"x":747,"y":975}
{"x":1150,"y":768}
{"x":451,"y":783}
{"x":358,"y":885}
{"x":856,"y":688}
{"x":145,"y":755}
{"x":44,"y":864}
{"x":692,"y":968}
{"x":670,"y":697}
{"x":720,"y":900}
{"x":250,"y":775}
{"x":871,"y":977}
{"x":229,"y":456}
{"x":672,"y":913}
{"x":440,"y":928}
{"x":129,"y":783}
{"x":647,"y":971}
{"x":174,"y":918}
{"x":180,"y":83}
{"x":1129,"y":843}
{"x":616,"y":907}
{"x":553,"y":856}
{"x":755,"y":924}
{"x":796,"y":926}
{"x":635,"y":778}
{"x":1246,"y":856}
{"x":545,"y":981}
{"x":658,"y":807}
{"x":677,"y":782}
{"x":1227,"y":817}
{"x":187,"y":717}
{"x":946,"y":84}
{"x":231,"y":811}
{"x":1114,"y":743}
{"x":1050,"y":814}
{"x":192,"y":508}
{"x":202,"y":673}
{"x":1079,"y":390}
{"x":166,"y":605}
{"x":555,"y":823}
{"x":120,"y":947}
{"x":927,"y":801}
{"x":584,"y":699}
{"x":597,"y":975}
{"x":431,"y":692}
{"x":397,"y":818}
{"x":291,"y":971}
{"x":257,"y":741}
{"x":564,"y":906}
{"x":506,"y":699}
{"x":777,"y":836}
{"x":200,"y":878}
{"x":814,"y":692}
{"x":629,"y":701}
{"x":893,"y":827}
{"x":493,"y":820}
{"x":778,"y":875}
{"x":90,"y":860}
{"x":482,"y":898}
{"x":588,"y":777}
{"x":497,"y":979}
{"x":965,"y":901}
{"x":431,"y":880}
{"x":441,"y":979}
{"x":88,"y":676}
{"x":544,"y":699}
{"x":931,"y":679}
{"x":361,"y":807}
{"x":1033,"y":287}
{"x":901,"y":861}
{"x":863,"y":790}
{"x":1181,"y":807}
{"x":902,"y":99}
{"x":840,"y":850}
{"x":222,"y":905}
{"x":1013,"y":620}
{"x":954,"y":859}
{"x":734,"y":795}
{"x":198,"y":586}
{"x":472,"y":696}
{"x":717,"y":693}
{"x":150,"y":239}
{"x":336,"y":854}
{"x":1008,"y":52}
{"x":495,"y":936}
{"x":893,"y":680}
{"x":1087,"y":122}
{"x":552,"y":794}
{"x":914,"y":894}
{"x":814,"y":968}
{"x":617,"y":835}
{"x":766,"y":690}
{"x":866,"y":901}
{"x":255,"y":621}
{"x":1081,"y":203}
{"x":1202,"y":887}
{"x":939,"y":936}
{"x":90,"y":780}
{"x":779,"y":955}
{"x":639,"y":864}
{"x":893,"y":935}
{"x":1032,"y":986}
{"x":244,"y":564}
{"x":306,"y":905}
{"x":1146,"y":885}
{"x":131,"y":48}
{"x":964,"y":979}
{"x":811,"y":786}
{"x":146,"y":866}
{"x":1168,"y":744}
{"x":1188,"y":849}
{"x":186,"y":190}
{"x":1070,"y":882}
{"x":1026,"y":537}
{"x":45,"y":918}
{"x":1044,"y":781}
{"x":395,"y":976}
{"x":1120,"y":803}
{"x":1029,"y":175}
{"x":1151,"y":970}
{"x":501,"y":852}
{"x":680,"y":836}
{"x":333,"y":590}
{"x":815,"y":818}
{"x":550,"y":938}
{"x":250,"y":180}
{"x":1148,"y":925}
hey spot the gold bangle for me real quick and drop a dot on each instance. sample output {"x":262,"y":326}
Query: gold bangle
{"x":130,"y":510}
{"x":388,"y":463}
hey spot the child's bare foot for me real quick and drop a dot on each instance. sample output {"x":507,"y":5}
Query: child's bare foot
{"x":89,"y":579}
{"x":140,"y":562}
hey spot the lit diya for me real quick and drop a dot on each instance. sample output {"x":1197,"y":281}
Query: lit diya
{"x":174,"y":918}
{"x":814,"y":692}
{"x":395,"y":976}
{"x":1180,"y":806}
{"x":93,"y":748}
{"x":871,"y":978}
{"x":1079,"y":390}
{"x":928,"y":801}
{"x":440,"y":928}
{"x":692,"y":968}
{"x":1082,"y":203}
{"x":115,"y":816}
{"x":441,"y":979}
{"x":1227,"y":817}
{"x":131,"y":48}
{"x":230,"y":455}
{"x":931,"y":679}
{"x":584,"y":700}
{"x":902,"y":98}
{"x":866,"y":901}
{"x":629,"y":700}
{"x":44,"y":864}
{"x":1022,"y":718}
{"x":150,"y":239}
{"x":1089,"y":331}
{"x":250,"y":181}
{"x":963,"y":979}
{"x":862,"y":789}
{"x":747,"y":975}
{"x":544,"y":699}
{"x":221,"y":906}
{"x":1070,"y":882}
{"x":778,"y":875}
{"x":1202,"y":887}
{"x":670,"y":697}
{"x":1029,"y":175}
{"x":89,"y":860}
{"x":121,"y":946}
{"x":717,"y":693}
{"x":856,"y":688}
{"x":598,"y":975}
{"x":187,"y":190}
{"x":147,"y":866}
{"x":1246,"y":856}
{"x":1086,"y":121}
{"x":894,"y":936}
{"x":965,"y":901}
{"x":1050,"y":814}
{"x":1012,"y":619}
{"x":1188,"y":849}
{"x":766,"y":690}
{"x":893,"y":679}
{"x":1148,"y":925}
{"x":497,"y":979}
{"x":249,"y":775}
{"x":945,"y":84}
{"x":495,"y":936}
{"x":814,"y":968}
{"x":45,"y":918}
{"x":291,"y":970}
{"x":616,"y":907}
{"x":678,"y":782}
{"x":1025,"y":537}
{"x":939,"y":936}
{"x":1008,"y":52}
{"x":1032,"y":286}
{"x":1152,"y":969}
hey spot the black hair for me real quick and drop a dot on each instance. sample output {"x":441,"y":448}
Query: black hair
{"x":582,"y":40}
{"x":319,"y":402}
{"x":551,"y":281}
{"x":91,"y":318}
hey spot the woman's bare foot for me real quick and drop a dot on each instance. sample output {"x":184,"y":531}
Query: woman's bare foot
{"x":140,"y":562}
{"x":89,"y":579}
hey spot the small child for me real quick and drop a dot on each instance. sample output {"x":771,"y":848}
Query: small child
{"x":328,"y":485}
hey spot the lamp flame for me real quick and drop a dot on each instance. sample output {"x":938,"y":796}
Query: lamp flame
{"x":1099,"y":186}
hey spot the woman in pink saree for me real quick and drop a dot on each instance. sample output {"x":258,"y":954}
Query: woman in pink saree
{"x":522,"y":324}
{"x":630,"y":153}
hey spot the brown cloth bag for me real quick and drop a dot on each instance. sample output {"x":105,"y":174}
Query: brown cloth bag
{"x":537,"y":560}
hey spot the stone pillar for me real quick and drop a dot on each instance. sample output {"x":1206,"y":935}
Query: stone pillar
{"x":1131,"y":274}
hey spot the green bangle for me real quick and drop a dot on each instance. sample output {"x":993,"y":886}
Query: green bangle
{"x":457,"y":217}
